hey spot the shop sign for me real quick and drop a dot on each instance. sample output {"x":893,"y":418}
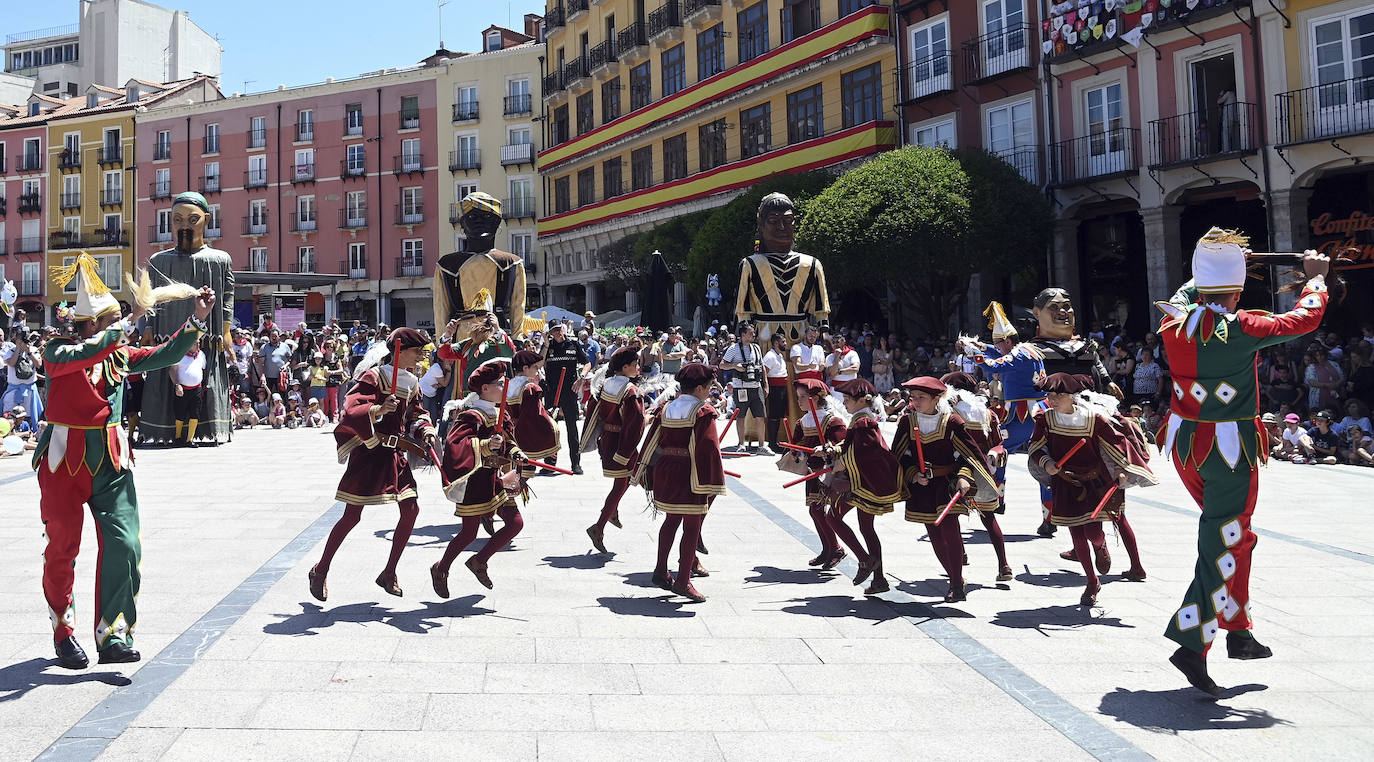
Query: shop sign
{"x":1351,"y":237}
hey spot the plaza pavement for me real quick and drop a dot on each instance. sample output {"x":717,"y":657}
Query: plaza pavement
{"x":575,"y":656}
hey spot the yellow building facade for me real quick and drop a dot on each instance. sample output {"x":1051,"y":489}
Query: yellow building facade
{"x":654,"y":112}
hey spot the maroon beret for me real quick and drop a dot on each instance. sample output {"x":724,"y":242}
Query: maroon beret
{"x":694,"y":374}
{"x":928,"y":384}
{"x":1066,"y":383}
{"x":812,"y":386}
{"x":857,"y":388}
{"x":960,"y":380}
{"x":489,"y":372}
{"x":524,"y":359}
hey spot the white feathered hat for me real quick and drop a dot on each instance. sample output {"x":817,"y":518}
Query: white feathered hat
{"x":1219,"y":262}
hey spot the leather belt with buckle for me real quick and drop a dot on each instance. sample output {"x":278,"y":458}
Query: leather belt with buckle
{"x":390,"y":441}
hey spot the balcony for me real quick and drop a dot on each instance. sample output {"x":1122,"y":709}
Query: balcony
{"x":213,"y":231}
{"x":553,"y":84}
{"x":701,"y":11}
{"x":110,"y":237}
{"x":305,"y":173}
{"x":575,"y":71}
{"x":406,"y":163}
{"x":1217,"y":133}
{"x":997,"y":53}
{"x":465,"y":111}
{"x":354,"y":126}
{"x":576,"y":10}
{"x":255,"y":227}
{"x":307,"y":225}
{"x":601,"y":58}
{"x":666,"y":21}
{"x":4,"y":165}
{"x":632,"y":43}
{"x":410,"y":214}
{"x":516,"y":154}
{"x":112,"y":197}
{"x":455,"y":213}
{"x":31,"y":163}
{"x":1100,"y":156}
{"x":353,"y":219}
{"x":305,"y":132}
{"x":1027,"y":160}
{"x":305,"y":263}
{"x":356,"y":267}
{"x":257,"y":138}
{"x":160,"y":189}
{"x":1327,"y":111}
{"x":69,"y":160}
{"x":210,"y":144}
{"x":29,"y":287}
{"x":349,"y":170}
{"x":409,"y":121}
{"x":518,"y":208}
{"x":156,"y":235}
{"x":30,"y":202}
{"x":929,"y":76}
{"x":109,"y":155}
{"x":553,"y":20}
{"x":255,"y":178}
{"x":410,"y":267}
{"x":208,"y":184}
{"x":162,"y":152}
{"x":70,"y":201}
{"x":465,"y":160}
{"x":518,"y":105}
{"x":28,"y":245}
{"x":64,"y":239}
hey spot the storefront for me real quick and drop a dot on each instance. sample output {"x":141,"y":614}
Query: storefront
{"x":413,"y":307}
{"x":1340,"y":218}
{"x":1113,"y":287}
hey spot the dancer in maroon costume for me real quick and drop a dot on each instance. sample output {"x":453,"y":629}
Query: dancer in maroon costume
{"x":481,"y":465}
{"x":535,"y":431}
{"x":681,"y":464}
{"x":867,"y":477}
{"x":940,"y":459}
{"x":812,"y":395}
{"x":375,"y":418}
{"x":1085,"y":477}
{"x":615,"y":423}
{"x":985,"y":429}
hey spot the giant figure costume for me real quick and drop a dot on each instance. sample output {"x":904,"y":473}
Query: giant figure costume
{"x":1214,"y":436}
{"x":780,"y":290}
{"x":193,"y":263}
{"x":480,"y":265}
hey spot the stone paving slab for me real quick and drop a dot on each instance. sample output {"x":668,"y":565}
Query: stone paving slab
{"x":574,"y":655}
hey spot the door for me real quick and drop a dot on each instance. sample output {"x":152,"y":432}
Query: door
{"x":1343,"y":60}
{"x":1108,"y":151}
{"x":930,"y":59}
{"x":1215,"y":124}
{"x":1004,"y":40}
{"x":1011,"y":135}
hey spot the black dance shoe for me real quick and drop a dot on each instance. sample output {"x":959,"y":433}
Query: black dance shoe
{"x":70,"y":655}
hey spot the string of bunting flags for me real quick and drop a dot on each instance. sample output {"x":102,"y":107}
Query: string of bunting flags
{"x":1074,"y":25}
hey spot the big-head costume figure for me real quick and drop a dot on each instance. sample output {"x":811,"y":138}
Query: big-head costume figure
{"x":780,"y":290}
{"x":193,"y":263}
{"x":480,"y":266}
{"x":1215,"y":437}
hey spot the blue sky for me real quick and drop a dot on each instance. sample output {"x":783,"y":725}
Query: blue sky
{"x":296,"y":42}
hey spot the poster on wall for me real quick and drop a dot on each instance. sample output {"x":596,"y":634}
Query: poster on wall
{"x":288,"y":309}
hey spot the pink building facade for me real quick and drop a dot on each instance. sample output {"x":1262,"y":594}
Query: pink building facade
{"x":329,"y":188}
{"x":23,"y":224}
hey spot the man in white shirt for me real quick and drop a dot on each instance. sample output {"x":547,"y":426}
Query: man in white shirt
{"x":842,"y":365}
{"x":432,"y":383}
{"x":775,"y":368}
{"x":745,"y":358}
{"x":187,"y":377}
{"x":808,"y":357}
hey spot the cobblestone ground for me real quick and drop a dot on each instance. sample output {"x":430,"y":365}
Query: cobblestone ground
{"x":574,"y":655}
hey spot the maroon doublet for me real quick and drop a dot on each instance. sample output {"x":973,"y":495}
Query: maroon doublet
{"x":377,"y":471}
{"x":535,"y":430}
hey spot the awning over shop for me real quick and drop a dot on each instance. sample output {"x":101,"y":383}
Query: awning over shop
{"x":293,"y":280}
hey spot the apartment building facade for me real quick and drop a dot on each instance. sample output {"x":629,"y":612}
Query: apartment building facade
{"x":654,"y":112}
{"x":23,"y":190}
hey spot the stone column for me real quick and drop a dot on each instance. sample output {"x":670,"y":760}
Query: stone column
{"x":593,"y":291}
{"x":631,"y":301}
{"x":1163,"y":250}
{"x":680,"y":303}
{"x":1291,"y":232}
{"x":1065,"y":266}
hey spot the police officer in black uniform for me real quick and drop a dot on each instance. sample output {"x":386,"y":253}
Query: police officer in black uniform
{"x":562,"y":355}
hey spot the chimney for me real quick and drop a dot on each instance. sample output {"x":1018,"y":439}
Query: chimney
{"x":533,"y":23}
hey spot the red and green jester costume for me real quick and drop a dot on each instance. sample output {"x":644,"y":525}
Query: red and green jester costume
{"x":1215,"y":438}
{"x":83,"y":457}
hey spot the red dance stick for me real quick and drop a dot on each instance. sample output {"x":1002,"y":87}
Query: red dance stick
{"x":434,"y":456}
{"x":920,"y":450}
{"x":732,"y":473}
{"x":1105,"y":498}
{"x":807,"y":478}
{"x":1060,"y":463}
{"x":395,"y":364}
{"x":811,"y":403}
{"x":787,"y":428}
{"x":546,"y":466}
{"x":559,"y":391}
{"x":798,"y":448}
{"x":735,"y":454}
{"x":729,"y":423}
{"x":948,"y":506}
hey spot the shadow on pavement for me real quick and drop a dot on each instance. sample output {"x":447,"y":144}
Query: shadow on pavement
{"x":1055,"y":618}
{"x":588,"y":560}
{"x":441,"y":533}
{"x":313,"y":618}
{"x":659,"y":607}
{"x":1059,"y":578}
{"x":1184,"y":709}
{"x":16,"y":680}
{"x":771,"y":575}
{"x":642,"y":579}
{"x":978,"y":536}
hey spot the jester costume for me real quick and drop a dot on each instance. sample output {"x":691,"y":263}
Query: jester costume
{"x":83,"y":457}
{"x":1216,"y":440}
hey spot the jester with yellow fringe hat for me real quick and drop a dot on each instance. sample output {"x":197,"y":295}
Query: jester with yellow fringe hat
{"x":1216,"y":440}
{"x":83,"y":455}
{"x":478,"y":338}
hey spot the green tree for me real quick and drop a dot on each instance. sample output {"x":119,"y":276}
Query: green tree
{"x":921,"y":221}
{"x":627,"y":259}
{"x":727,"y":236}
{"x":623,"y":270}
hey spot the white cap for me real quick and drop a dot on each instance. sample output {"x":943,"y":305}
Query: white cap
{"x":1219,"y":262}
{"x":93,"y":297}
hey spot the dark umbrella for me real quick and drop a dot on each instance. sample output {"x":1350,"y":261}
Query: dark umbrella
{"x":658,"y":295}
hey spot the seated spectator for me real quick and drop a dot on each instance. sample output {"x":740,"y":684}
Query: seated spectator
{"x":1359,"y":447}
{"x":262,"y":406}
{"x":1325,"y":441}
{"x":1274,"y":430}
{"x":276,"y":415}
{"x":1294,"y":444}
{"x":244,"y":415}
{"x":314,"y":416}
{"x":1356,"y":414}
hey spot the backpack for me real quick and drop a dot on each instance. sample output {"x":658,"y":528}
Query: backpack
{"x":24,"y":369}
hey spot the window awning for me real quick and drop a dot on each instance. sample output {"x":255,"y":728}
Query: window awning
{"x":294,"y":280}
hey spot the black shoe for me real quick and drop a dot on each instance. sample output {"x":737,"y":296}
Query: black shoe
{"x":701,"y":548}
{"x":1046,"y":529}
{"x":1245,"y":646}
{"x":577,"y":470}
{"x":1194,"y":668}
{"x":118,"y":653}
{"x":70,"y":655}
